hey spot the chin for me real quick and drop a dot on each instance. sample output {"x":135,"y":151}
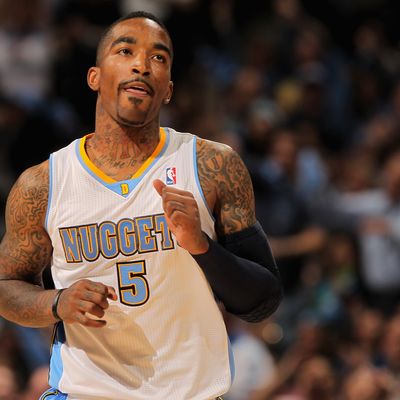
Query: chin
{"x":131,"y":122}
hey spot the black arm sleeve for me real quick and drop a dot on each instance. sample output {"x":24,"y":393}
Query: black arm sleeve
{"x":242,"y":273}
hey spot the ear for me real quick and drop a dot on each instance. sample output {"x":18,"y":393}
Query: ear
{"x":167,"y":97}
{"x":93,"y":78}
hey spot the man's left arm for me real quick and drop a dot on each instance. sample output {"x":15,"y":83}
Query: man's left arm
{"x":239,"y":266}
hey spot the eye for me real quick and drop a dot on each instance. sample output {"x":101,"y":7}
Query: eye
{"x":124,"y":51}
{"x":160,"y":57}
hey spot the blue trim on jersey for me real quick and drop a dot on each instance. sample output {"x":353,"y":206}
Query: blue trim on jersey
{"x":46,"y":221}
{"x":196,"y":175}
{"x":132,"y":183}
{"x":56,"y":365}
{"x":231,"y":360}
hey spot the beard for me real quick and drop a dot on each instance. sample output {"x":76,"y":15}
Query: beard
{"x":135,"y":116}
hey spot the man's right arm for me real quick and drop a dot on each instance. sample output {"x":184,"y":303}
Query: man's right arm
{"x":26,"y":250}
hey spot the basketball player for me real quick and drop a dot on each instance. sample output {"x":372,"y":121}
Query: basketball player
{"x":146,"y":230}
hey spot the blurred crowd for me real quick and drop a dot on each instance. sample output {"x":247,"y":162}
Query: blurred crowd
{"x":309,"y":94}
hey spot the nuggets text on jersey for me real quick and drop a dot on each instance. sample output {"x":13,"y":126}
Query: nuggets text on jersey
{"x":127,"y":236}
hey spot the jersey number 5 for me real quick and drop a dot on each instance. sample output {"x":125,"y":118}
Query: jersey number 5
{"x":133,"y":286}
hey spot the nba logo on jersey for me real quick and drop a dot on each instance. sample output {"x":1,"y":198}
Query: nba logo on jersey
{"x":171,"y":176}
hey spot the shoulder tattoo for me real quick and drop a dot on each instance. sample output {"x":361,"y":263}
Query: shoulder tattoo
{"x":26,"y":247}
{"x":223,"y":173}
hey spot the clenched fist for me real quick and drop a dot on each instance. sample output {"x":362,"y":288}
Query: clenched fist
{"x":82,"y":298}
{"x":183,"y":217}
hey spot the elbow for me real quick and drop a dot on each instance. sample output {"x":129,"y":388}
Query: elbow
{"x":266,"y":307}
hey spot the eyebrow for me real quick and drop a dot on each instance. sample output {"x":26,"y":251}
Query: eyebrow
{"x":132,"y":40}
{"x":123,"y":39}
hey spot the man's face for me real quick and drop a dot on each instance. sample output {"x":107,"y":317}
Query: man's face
{"x":133,"y":77}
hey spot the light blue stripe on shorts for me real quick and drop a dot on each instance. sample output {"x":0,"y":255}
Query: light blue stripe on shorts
{"x":53,"y":394}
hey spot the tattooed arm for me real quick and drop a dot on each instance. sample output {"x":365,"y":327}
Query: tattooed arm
{"x":26,"y":250}
{"x":239,"y":266}
{"x":227,"y":187}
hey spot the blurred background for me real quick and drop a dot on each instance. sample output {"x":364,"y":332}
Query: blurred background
{"x":308,"y":92}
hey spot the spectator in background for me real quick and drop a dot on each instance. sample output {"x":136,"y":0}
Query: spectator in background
{"x":339,"y":264}
{"x":247,"y":87}
{"x":161,"y":8}
{"x":8,"y":381}
{"x":11,"y":117}
{"x":26,"y":51}
{"x":311,"y":342}
{"x":375,"y":216}
{"x":394,"y":103}
{"x":314,"y":379}
{"x":76,"y":32}
{"x":26,"y":114}
{"x":254,"y":363}
{"x":282,"y":210}
{"x":366,"y":383}
{"x":359,"y":345}
{"x":37,"y":384}
{"x":263,"y":116}
{"x":390,"y":347}
{"x":283,"y":26}
{"x":368,"y":328}
{"x":375,"y":64}
{"x":321,"y":71}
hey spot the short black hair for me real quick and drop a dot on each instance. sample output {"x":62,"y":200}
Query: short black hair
{"x":134,"y":14}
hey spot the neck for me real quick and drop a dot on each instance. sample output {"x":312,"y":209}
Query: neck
{"x":110,"y":134}
{"x":120,"y":150}
{"x":117,"y":132}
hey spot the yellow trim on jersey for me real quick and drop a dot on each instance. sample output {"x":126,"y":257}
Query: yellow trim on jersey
{"x":105,"y":177}
{"x":154,"y":155}
{"x":89,"y":164}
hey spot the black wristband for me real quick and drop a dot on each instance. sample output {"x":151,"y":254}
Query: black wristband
{"x":55,"y":305}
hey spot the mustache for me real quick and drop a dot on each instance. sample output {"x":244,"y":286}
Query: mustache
{"x":128,"y":82}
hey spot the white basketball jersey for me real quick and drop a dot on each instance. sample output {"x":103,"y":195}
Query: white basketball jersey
{"x":165,"y":337}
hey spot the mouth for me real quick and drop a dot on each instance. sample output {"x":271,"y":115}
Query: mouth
{"x":138,"y":88}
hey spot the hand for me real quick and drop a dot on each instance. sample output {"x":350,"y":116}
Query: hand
{"x":82,"y":298}
{"x":183,"y":217}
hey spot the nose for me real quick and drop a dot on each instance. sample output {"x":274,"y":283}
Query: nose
{"x":140,"y":64}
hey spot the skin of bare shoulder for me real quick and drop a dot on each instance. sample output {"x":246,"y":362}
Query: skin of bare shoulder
{"x":226,"y":185}
{"x":26,"y":247}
